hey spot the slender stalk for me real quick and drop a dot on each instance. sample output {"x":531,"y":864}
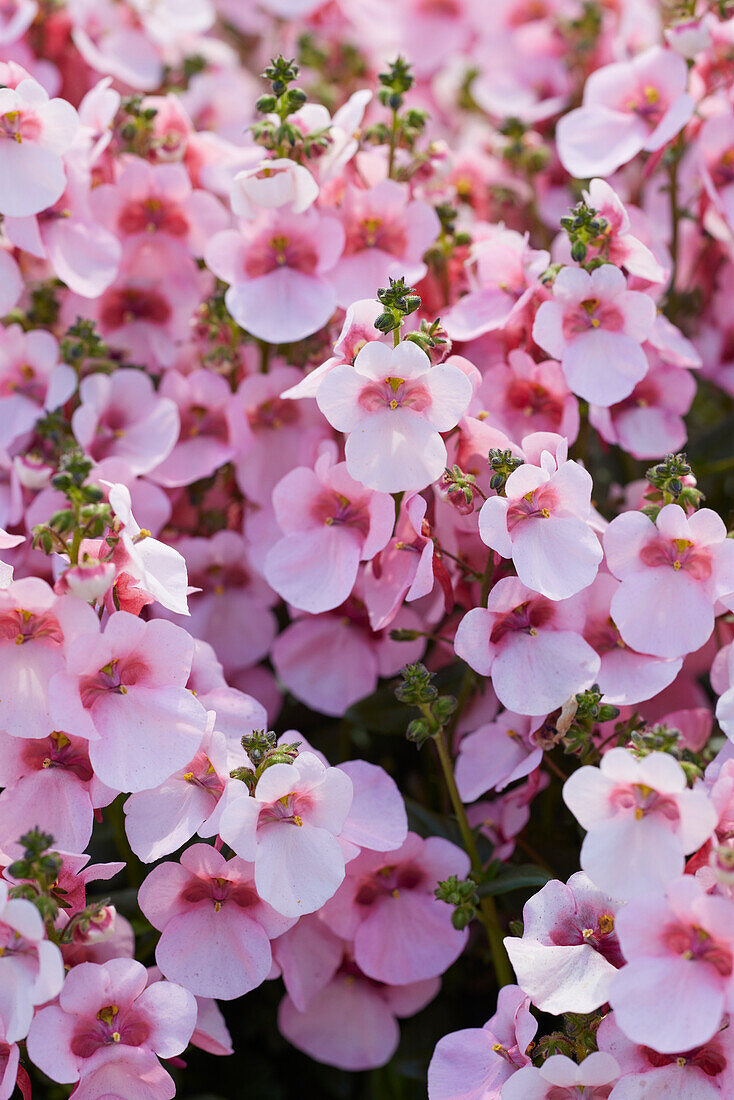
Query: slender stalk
{"x":393,"y":144}
{"x":487,"y":908}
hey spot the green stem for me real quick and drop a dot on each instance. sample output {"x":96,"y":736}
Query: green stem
{"x":265,"y":350}
{"x":487,"y":909}
{"x":393,"y":145}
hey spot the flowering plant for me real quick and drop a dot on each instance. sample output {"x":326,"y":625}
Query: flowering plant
{"x":367,"y":587}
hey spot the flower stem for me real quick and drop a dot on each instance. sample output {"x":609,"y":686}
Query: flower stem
{"x":487,"y":908}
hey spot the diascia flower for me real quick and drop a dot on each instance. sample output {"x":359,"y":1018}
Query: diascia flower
{"x":595,"y":327}
{"x":289,"y":830}
{"x":393,"y":405}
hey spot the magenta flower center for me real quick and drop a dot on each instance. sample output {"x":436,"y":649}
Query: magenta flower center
{"x":526,"y":618}
{"x":153,"y":215}
{"x":271,"y":251}
{"x":113,"y":679}
{"x":695,"y":944}
{"x":375,"y":232}
{"x":538,"y":504}
{"x":389,"y":881}
{"x":592,"y":314}
{"x":218,"y":892}
{"x":681,"y":554}
{"x":395,"y":393}
{"x":112,"y":1026}
{"x":129,"y":304}
{"x":22,"y":626}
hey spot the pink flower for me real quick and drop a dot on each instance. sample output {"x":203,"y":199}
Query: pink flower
{"x":649,"y":422}
{"x":215,"y":929}
{"x":393,"y":404}
{"x":289,"y":829}
{"x":232,"y":609}
{"x":569,"y":950}
{"x":616,"y":243}
{"x":103,"y":1011}
{"x":704,"y":1072}
{"x":531,"y":647}
{"x":351,"y":1022}
{"x":624,"y":676}
{"x":274,"y":434}
{"x":595,"y":326}
{"x":525,"y":396}
{"x":275,"y":267}
{"x":330,"y":523}
{"x":387,"y":235}
{"x":683,"y":941}
{"x":271,"y":184}
{"x":504,"y":275}
{"x":475,"y":1063}
{"x":120,"y":414}
{"x":330,"y":661}
{"x":157,"y":203}
{"x":641,"y":821}
{"x":561,"y":1079}
{"x":542,"y":524}
{"x":124,"y":691}
{"x":402,"y":933}
{"x":53,"y":772}
{"x":33,"y":626}
{"x":37,"y":131}
{"x":154,"y":567}
{"x":628,"y":106}
{"x":404,"y":569}
{"x":496,"y":754}
{"x":32,"y":380}
{"x":31,"y":967}
{"x":672,"y":571}
{"x":160,"y":820}
{"x":207,"y":434}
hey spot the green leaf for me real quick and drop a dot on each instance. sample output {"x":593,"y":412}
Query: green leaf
{"x":514,"y":876}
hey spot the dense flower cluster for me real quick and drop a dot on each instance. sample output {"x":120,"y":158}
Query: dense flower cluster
{"x":337,"y":338}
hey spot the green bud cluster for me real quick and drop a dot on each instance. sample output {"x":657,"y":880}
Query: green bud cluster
{"x":502,"y":464}
{"x":462,"y":894}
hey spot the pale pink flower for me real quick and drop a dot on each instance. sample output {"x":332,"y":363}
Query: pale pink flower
{"x":595,"y":327}
{"x":496,"y":754}
{"x":672,"y":572}
{"x":272,"y":184}
{"x":641,"y":821}
{"x":531,"y":646}
{"x":157,"y":203}
{"x":628,"y":106}
{"x":542,"y":524}
{"x":704,"y":1072}
{"x":34,"y":624}
{"x":289,"y":830}
{"x":525,"y":396}
{"x":649,"y":422}
{"x":31,"y":967}
{"x":53,"y":772}
{"x":682,"y":941}
{"x":475,"y":1063}
{"x":561,"y":1079}
{"x":402,"y":933}
{"x":216,"y":930}
{"x":103,"y":1011}
{"x":330,"y":523}
{"x":207,"y":436}
{"x":330,"y":661}
{"x":232,"y":609}
{"x":124,"y":691}
{"x":32,"y":380}
{"x":37,"y":131}
{"x":616,"y":243}
{"x":503,"y":272}
{"x":154,"y":567}
{"x":120,"y":414}
{"x":387,"y":235}
{"x":161,"y":820}
{"x":404,"y":569}
{"x":624,"y":676}
{"x":351,"y":1021}
{"x":276,"y":268}
{"x":393,"y":404}
{"x":569,"y":950}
